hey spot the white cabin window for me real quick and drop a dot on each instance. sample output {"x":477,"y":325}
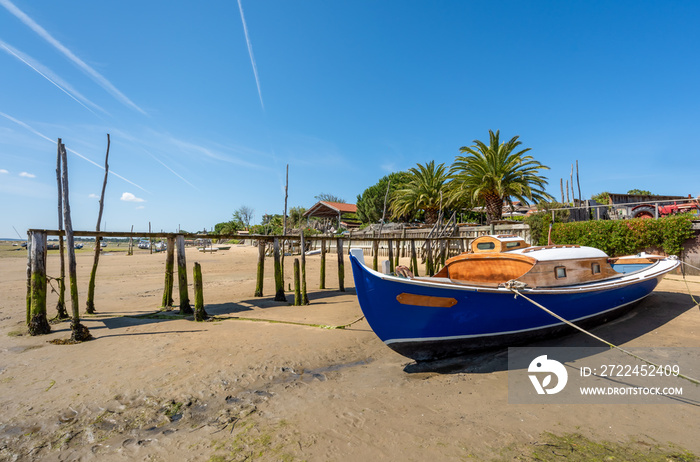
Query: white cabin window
{"x":595,"y":268}
{"x":559,"y":272}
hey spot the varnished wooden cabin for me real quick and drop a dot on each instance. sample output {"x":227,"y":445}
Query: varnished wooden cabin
{"x":498,"y":259}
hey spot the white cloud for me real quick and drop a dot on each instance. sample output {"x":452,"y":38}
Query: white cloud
{"x":93,"y":196}
{"x":2,"y":170}
{"x":27,"y":175}
{"x":140,"y":207}
{"x":128,"y":197}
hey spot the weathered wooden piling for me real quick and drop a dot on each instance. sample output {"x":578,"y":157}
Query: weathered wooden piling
{"x":61,"y":304}
{"x":169,"y":270}
{"x":199,"y":313}
{"x":429,"y":267}
{"x":375,"y":255}
{"x":390,"y":244}
{"x":279,"y":277}
{"x":304,"y":295}
{"x":414,"y":258}
{"x":341,"y":265}
{"x":38,"y":324}
{"x":29,"y":278}
{"x":297,"y":283}
{"x":261,"y":269}
{"x":79,"y":332}
{"x":185,"y":307}
{"x":322,"y":284}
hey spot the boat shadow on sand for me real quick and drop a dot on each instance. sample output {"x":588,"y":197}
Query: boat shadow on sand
{"x":653,"y":312}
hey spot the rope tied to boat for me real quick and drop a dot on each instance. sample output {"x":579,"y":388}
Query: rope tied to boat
{"x":686,"y":282}
{"x":611,"y":345}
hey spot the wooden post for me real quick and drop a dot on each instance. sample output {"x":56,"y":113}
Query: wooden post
{"x":185,"y":307}
{"x":414,"y":258}
{"x":79,"y":332}
{"x":29,"y":278}
{"x":38,"y":324}
{"x":279,"y":279}
{"x":429,"y":268}
{"x":341,"y":265}
{"x":390,"y":244}
{"x":169,"y":270}
{"x":398,"y":252}
{"x":90,"y":302}
{"x":150,"y":240}
{"x":403,"y":243}
{"x":261,"y":268}
{"x":199,"y":313}
{"x":297,"y":284}
{"x":375,"y":254}
{"x":61,"y":304}
{"x":322,"y":284}
{"x":304,"y":295}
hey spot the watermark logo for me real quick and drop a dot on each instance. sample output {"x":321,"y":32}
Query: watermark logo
{"x":552,"y":367}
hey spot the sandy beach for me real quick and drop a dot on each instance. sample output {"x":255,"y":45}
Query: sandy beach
{"x":164,"y":388}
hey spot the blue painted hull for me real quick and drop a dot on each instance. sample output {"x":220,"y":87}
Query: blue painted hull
{"x":485,"y":318}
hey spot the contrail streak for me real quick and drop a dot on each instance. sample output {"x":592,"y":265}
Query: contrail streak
{"x":41,"y":135}
{"x":63,"y":86}
{"x":101,"y":80}
{"x":250,"y":52}
{"x":173,"y":171}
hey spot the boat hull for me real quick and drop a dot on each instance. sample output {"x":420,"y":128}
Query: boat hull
{"x":484,"y":318}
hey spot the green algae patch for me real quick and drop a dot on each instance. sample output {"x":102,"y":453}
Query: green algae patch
{"x":574,"y":447}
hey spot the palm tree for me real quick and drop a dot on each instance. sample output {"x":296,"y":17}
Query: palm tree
{"x":422,"y":192}
{"x":493,"y":174}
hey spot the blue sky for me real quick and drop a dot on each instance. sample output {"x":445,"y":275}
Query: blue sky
{"x":205,"y":114}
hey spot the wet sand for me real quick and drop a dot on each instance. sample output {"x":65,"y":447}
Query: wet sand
{"x":171,"y":389}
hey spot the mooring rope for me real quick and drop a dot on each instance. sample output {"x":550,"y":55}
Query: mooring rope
{"x":513,"y":289}
{"x":686,"y":282}
{"x":273,"y":321}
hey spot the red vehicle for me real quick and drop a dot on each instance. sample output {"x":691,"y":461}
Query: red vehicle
{"x":647,"y":210}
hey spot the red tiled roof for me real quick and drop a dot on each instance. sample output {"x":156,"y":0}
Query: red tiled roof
{"x":330,"y":209}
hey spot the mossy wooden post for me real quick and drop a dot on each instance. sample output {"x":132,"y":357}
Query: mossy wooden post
{"x":79,"y":332}
{"x":322,"y":284}
{"x":185,"y":307}
{"x":297,"y":283}
{"x":90,"y":302}
{"x":261,"y":269}
{"x":61,"y":304}
{"x":279,"y":279}
{"x":304,"y":295}
{"x":403,"y":243}
{"x":414,"y":258}
{"x":390,"y":245}
{"x":199,"y":313}
{"x":29,"y":278}
{"x":429,"y":268}
{"x":398,"y":252}
{"x":169,"y":270}
{"x":341,"y":265}
{"x":375,"y":254}
{"x":38,"y":324}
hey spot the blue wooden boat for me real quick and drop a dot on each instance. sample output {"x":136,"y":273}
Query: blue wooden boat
{"x":469,"y":304}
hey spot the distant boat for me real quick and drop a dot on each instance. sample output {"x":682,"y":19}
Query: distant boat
{"x":144,"y":244}
{"x":223,"y":247}
{"x":78,"y":245}
{"x":208,"y":249}
{"x":469,"y":305}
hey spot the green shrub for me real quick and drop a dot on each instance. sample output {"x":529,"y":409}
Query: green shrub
{"x":625,"y":237}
